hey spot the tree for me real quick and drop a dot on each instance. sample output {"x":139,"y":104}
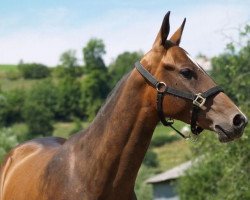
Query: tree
{"x":95,"y":88}
{"x":11,"y":104}
{"x":68,"y":65}
{"x":38,"y":118}
{"x":44,"y":93}
{"x":223,"y":170}
{"x":92,"y":55}
{"x":123,"y":64}
{"x":34,"y":70}
{"x":68,"y":96}
{"x":7,"y":141}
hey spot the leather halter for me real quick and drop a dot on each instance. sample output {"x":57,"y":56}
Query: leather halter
{"x":198,"y":100}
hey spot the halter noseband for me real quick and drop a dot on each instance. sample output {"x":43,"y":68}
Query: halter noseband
{"x":198,"y":100}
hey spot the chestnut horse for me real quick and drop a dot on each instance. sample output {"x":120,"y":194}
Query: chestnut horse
{"x":102,"y":162}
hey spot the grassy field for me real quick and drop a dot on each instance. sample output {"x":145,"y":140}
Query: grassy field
{"x":7,"y":68}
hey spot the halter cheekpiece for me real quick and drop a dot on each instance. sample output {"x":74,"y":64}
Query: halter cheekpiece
{"x":198,"y":100}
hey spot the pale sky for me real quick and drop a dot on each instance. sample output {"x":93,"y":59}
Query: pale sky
{"x":41,"y":30}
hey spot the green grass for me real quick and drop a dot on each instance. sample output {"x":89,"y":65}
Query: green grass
{"x":7,"y":68}
{"x":9,"y":71}
{"x":10,"y":78}
{"x":163,"y":134}
{"x":64,"y":129}
{"x":172,"y":154}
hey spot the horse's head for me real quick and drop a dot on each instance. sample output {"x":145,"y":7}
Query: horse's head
{"x":171,"y":64}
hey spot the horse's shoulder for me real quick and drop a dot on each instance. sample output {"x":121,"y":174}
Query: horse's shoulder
{"x":34,"y":146}
{"x":25,"y":155}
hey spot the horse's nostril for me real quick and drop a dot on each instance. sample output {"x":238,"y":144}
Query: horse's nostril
{"x":239,"y":120}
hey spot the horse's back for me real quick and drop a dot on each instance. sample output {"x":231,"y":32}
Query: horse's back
{"x":23,"y":167}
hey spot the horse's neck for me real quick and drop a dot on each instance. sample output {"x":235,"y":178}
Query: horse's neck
{"x":113,"y":147}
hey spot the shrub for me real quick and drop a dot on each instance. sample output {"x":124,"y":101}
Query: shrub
{"x":11,"y":104}
{"x":38,"y":118}
{"x":68,"y":99}
{"x":150,"y":159}
{"x":34,"y":71}
{"x":7,"y":141}
{"x":77,"y":126}
{"x":44,"y":93}
{"x":95,"y":88}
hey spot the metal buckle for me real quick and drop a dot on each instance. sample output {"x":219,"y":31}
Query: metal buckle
{"x":161,"y":87}
{"x":199,"y":100}
{"x":170,"y":121}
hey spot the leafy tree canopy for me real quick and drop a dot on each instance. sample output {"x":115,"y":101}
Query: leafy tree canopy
{"x":123,"y":64}
{"x":93,"y":54}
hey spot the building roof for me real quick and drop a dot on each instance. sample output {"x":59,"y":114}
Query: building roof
{"x":171,"y":174}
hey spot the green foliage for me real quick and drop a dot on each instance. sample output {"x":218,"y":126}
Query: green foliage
{"x":68,"y":99}
{"x":41,"y":96}
{"x":77,"y":126}
{"x":7,"y":141}
{"x":142,"y":189}
{"x":164,"y":135}
{"x":222,"y":171}
{"x":38,"y":118}
{"x":231,"y":70}
{"x":34,"y":70}
{"x":161,"y":139}
{"x":68,"y":65}
{"x":10,"y":107}
{"x":95,"y":88}
{"x":44,"y":93}
{"x":150,"y":159}
{"x":92,"y":55}
{"x":123,"y":64}
{"x":13,"y":75}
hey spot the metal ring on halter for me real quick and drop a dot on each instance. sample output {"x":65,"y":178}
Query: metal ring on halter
{"x":161,"y":87}
{"x":199,"y":100}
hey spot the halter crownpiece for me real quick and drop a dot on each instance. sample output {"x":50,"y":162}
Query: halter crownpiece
{"x":198,"y":100}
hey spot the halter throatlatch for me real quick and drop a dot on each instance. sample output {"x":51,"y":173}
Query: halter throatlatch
{"x":198,"y":100}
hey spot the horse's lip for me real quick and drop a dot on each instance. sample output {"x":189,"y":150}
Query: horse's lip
{"x":224,"y":136}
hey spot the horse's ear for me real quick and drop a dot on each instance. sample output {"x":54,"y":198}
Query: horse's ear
{"x":164,"y":31}
{"x":176,"y":37}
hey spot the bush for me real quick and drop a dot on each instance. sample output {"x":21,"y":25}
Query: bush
{"x":95,"y":88}
{"x":11,"y":104}
{"x":77,"y":126}
{"x":44,"y":93}
{"x":68,"y":99}
{"x":7,"y":141}
{"x":150,"y":159}
{"x":38,"y":118}
{"x":122,"y":65}
{"x":61,"y":71}
{"x":34,"y":71}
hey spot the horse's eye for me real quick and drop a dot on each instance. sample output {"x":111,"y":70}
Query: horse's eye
{"x":187,"y":73}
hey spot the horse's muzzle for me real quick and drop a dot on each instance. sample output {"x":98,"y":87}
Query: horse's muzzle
{"x":235,"y":131}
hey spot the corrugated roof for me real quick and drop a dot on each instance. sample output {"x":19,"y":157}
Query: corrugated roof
{"x":171,"y":174}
